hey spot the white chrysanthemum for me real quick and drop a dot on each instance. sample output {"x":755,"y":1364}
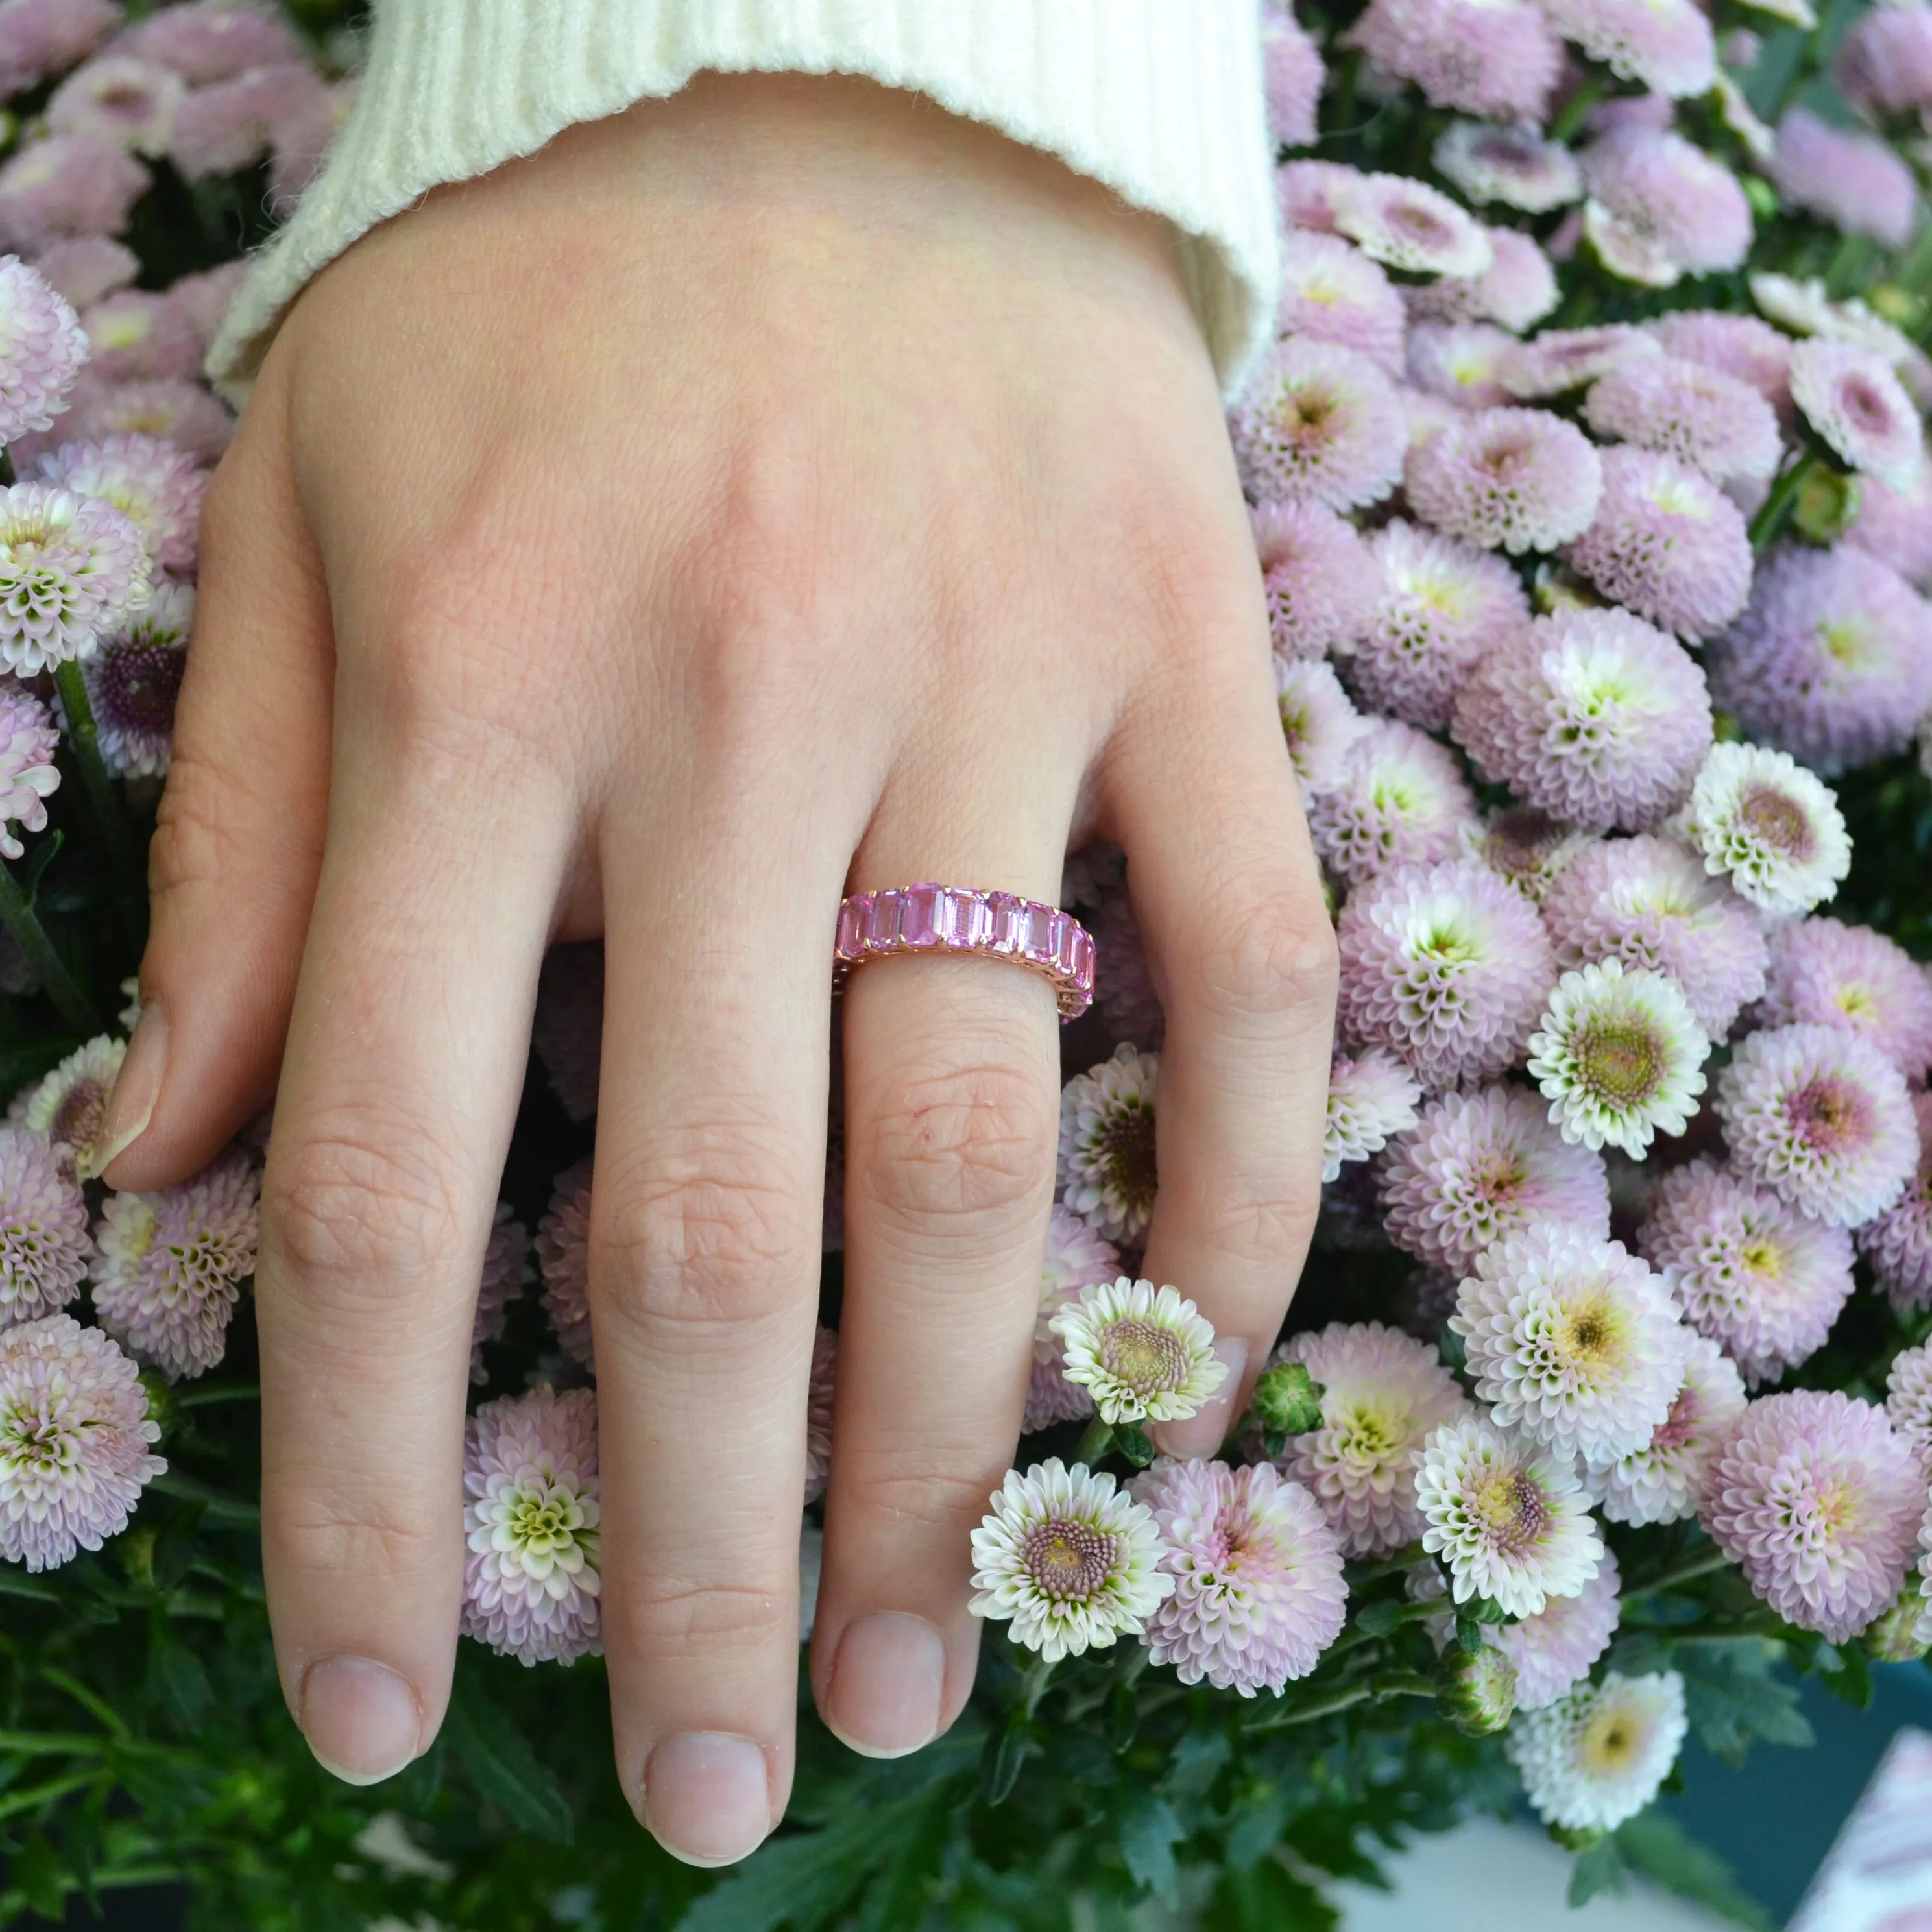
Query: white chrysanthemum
{"x":1371,"y":1097}
{"x":1143,"y":1353}
{"x":1317,"y":722}
{"x":1774,"y":827}
{"x":1805,"y":309}
{"x":1508,"y":1517}
{"x":1071,"y":1560}
{"x":1512,"y":165}
{"x":70,"y":1105}
{"x":1573,"y":1341}
{"x":1106,"y":1143}
{"x":1595,"y":1759}
{"x":1660,"y":1483}
{"x":1619,"y":1055}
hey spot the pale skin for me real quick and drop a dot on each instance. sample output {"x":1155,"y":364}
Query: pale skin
{"x":781,"y":490}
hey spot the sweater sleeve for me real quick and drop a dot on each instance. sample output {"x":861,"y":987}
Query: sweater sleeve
{"x":1160,"y":100}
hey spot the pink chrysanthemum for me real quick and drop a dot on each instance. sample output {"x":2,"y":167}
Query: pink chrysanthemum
{"x":1382,"y":1394}
{"x":1738,"y":346}
{"x":44,"y":1249}
{"x":1123,"y":988}
{"x":82,"y":269}
{"x":820,"y":1389}
{"x":1774,"y":827}
{"x":1518,"y":289}
{"x":1714,"y":422}
{"x":41,"y":350}
{"x":1667,"y":45}
{"x":1106,"y":1171}
{"x":133,"y":681}
{"x":1898,"y":1242}
{"x":568,"y":1033}
{"x":1292,"y":75}
{"x":119,"y":98}
{"x":1321,"y":424}
{"x":1524,"y":845}
{"x":506,"y":1272}
{"x":1400,"y":799}
{"x":1258,"y":1590}
{"x":1483,"y":1166}
{"x":169,"y":1265}
{"x":1763,"y":1281}
{"x":70,"y":1105}
{"x":1439,"y":607}
{"x":29,"y":777}
{"x":182,"y":413}
{"x":1332,"y":292}
{"x":227,"y":125}
{"x":155,"y":484}
{"x":1883,"y":65}
{"x":1560,"y":360}
{"x":1494,"y":57}
{"x":1667,"y":543}
{"x":1852,"y":398}
{"x":1314,"y":576}
{"x":532,"y":1579}
{"x":1076,"y":1259}
{"x":40,"y":38}
{"x":1514,"y":166}
{"x":1827,"y":973}
{"x":1446,"y":964}
{"x":208,"y":40}
{"x":1309,"y":193}
{"x":138,"y":336}
{"x":1649,"y":902}
{"x":1908,"y":1397}
{"x":1661,"y":1482}
{"x":72,"y":571}
{"x":1506,"y":479}
{"x":563,"y":1255}
{"x":1853,"y":180}
{"x":1410,"y":227}
{"x":67,"y":184}
{"x":1822,"y":1116}
{"x":1592,"y":715}
{"x":1372,"y":1097}
{"x":1553,"y":1651}
{"x":1459,"y":361}
{"x":202,"y":299}
{"x":1317,"y":722}
{"x":74,"y":1441}
{"x":1818,"y":1500}
{"x":1672,"y":196}
{"x":1895,"y":526}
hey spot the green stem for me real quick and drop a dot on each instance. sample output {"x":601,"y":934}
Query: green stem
{"x":222,"y":1508}
{"x":54,"y":1744}
{"x":83,"y":735}
{"x":1575,"y":108}
{"x":1776,"y":511}
{"x":1039,"y":1676}
{"x":47,"y":965}
{"x":31,"y":1799}
{"x":1686,"y":1569}
{"x":207,"y":1398}
{"x":1095,"y":1443}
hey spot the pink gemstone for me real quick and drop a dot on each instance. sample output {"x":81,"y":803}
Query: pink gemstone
{"x":852,"y":925}
{"x":1066,"y":954}
{"x":973,"y":919}
{"x":882,"y":921}
{"x":1009,"y":917}
{"x":1042,"y":940}
{"x":920,"y":922}
{"x":1083,"y":964}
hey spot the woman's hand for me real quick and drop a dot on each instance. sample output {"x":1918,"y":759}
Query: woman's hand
{"x":784,"y":489}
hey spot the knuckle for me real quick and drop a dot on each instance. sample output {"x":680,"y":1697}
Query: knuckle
{"x":372,"y":1535}
{"x":957,"y":1143}
{"x":658,"y":1612}
{"x":905,"y":1495}
{"x":1265,"y":1218}
{"x":1268,"y":957}
{"x":194,"y":842}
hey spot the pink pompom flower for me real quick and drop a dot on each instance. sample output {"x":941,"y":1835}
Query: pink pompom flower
{"x":1667,"y":46}
{"x":1291,"y":76}
{"x":1560,"y":360}
{"x":1494,"y":57}
{"x":40,"y":38}
{"x":1077,"y":1258}
{"x":568,"y":1032}
{"x":1332,"y":292}
{"x":1514,"y":166}
{"x":1855,"y":182}
{"x":1895,"y":526}
{"x":563,"y":1257}
{"x":182,"y":413}
{"x":1506,"y":479}
{"x":1316,"y":576}
{"x":1908,"y":1397}
{"x":506,"y":1272}
{"x":1714,"y":422}
{"x":1553,"y":1650}
{"x":41,"y":350}
{"x":1372,"y":1097}
{"x":156,"y":485}
{"x":208,"y":40}
{"x":1661,"y":1482}
{"x":67,"y":184}
{"x":1672,"y":196}
{"x":1319,"y":424}
{"x":1827,"y":973}
{"x":73,"y":570}
{"x":1850,"y":396}
{"x":1310,"y":194}
{"x":1318,"y":724}
{"x":138,"y":336}
{"x":1774,"y":827}
{"x":1884,"y":63}
{"x":227,"y":125}
{"x":1459,"y":361}
{"x":1738,"y":346}
{"x":1524,"y":845}
{"x":119,"y":98}
{"x":1898,"y":1242}
{"x":82,"y":269}
{"x":28,"y":776}
{"x":821,"y":1387}
{"x":1399,"y":799}
{"x":44,"y":1248}
{"x":1409,"y":226}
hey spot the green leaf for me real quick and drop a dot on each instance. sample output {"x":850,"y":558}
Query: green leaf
{"x":174,"y":1546}
{"x":44,"y":855}
{"x":1847,"y":1674}
{"x":176,"y":1681}
{"x":1267,"y":1897}
{"x":1732,"y":1697}
{"x":36,"y":1874}
{"x":12,"y":1585}
{"x":1003,"y":1758}
{"x":1379,"y":1619}
{"x":1600,"y":1869}
{"x":1134,"y":1444}
{"x":1656,"y":1845}
{"x":503,"y":1767}
{"x":1149,"y":1831}
{"x":804,"y":1880}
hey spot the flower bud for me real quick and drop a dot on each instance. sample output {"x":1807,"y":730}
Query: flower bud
{"x":1288,"y":1400}
{"x":1894,"y":1638}
{"x":1475,"y":1690}
{"x":1828,"y":505}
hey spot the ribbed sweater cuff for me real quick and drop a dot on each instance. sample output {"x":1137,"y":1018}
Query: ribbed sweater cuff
{"x":1161,"y":100}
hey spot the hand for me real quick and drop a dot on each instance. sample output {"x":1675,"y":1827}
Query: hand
{"x":785,"y":485}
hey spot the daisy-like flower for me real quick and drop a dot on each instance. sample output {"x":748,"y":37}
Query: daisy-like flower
{"x":1446,"y":964}
{"x":1512,"y":165}
{"x":1257,"y":1589}
{"x":1591,"y":715}
{"x":1661,"y":1482}
{"x":1332,"y":292}
{"x":1077,"y":1259}
{"x":28,"y":776}
{"x":1507,"y":1517}
{"x":1372,"y":1097}
{"x":168,"y":1265}
{"x":1399,"y":799}
{"x":1666,"y":45}
{"x":133,"y":680}
{"x":506,"y":1272}
{"x":1738,"y":346}
{"x":1481,"y":56}
{"x":1853,"y":399}
{"x":1459,"y":362}
{"x":1518,"y":289}
{"x":1292,"y":76}
{"x":1592,"y":1760}
{"x":1758,"y":815}
{"x":118,"y":97}
{"x":1315,"y":577}
{"x":1142,"y":1353}
{"x":75,"y":1437}
{"x":1908,"y":1397}
{"x":1072,"y":1563}
{"x":1853,"y":180}
{"x":1666,"y":542}
{"x":1560,"y":360}
{"x":532,"y":1579}
{"x":1410,"y":226}
{"x":1107,"y":1143}
{"x":72,"y":571}
{"x":41,"y":350}
{"x":1648,"y":902}
{"x":818,"y":1399}
{"x":157,"y":486}
{"x":1383,"y":1393}
{"x":1619,"y":1055}
{"x":1506,"y":479}
{"x":67,"y":184}
{"x":1524,"y":845}
{"x":44,"y":1249}
{"x":1898,"y":1242}
{"x":1481,"y":1167}
{"x":70,"y":1103}
{"x":1883,"y":65}
{"x":1319,"y":424}
{"x":563,"y":1259}
{"x":1819,"y":1115}
{"x":569,"y":1029}
{"x":1716,"y":423}
{"x":1317,"y":722}
{"x":1818,"y":1499}
{"x":1670,"y":195}
{"x":1825,"y":973}
{"x":1895,"y":526}
{"x":1832,"y":661}
{"x":1573,"y":1340}
{"x":1553,"y":1651}
{"x":1439,"y":606}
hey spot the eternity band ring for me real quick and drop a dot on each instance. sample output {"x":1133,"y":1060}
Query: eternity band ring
{"x":958,"y":918}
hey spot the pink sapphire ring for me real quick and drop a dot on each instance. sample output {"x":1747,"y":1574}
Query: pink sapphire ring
{"x":955,"y":918}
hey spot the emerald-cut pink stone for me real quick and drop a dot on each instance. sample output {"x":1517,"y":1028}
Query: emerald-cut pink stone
{"x":973,"y":919}
{"x":882,"y":921}
{"x":1010,"y":920}
{"x":925,"y":915}
{"x":852,"y":916}
{"x":1041,"y":940}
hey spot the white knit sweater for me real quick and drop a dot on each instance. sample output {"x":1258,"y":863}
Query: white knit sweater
{"x":1159,"y":99}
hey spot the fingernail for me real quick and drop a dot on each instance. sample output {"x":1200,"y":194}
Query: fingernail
{"x":887,"y":1683}
{"x":1203,"y":1432}
{"x":131,"y":1105}
{"x":360,"y":1718}
{"x":707,"y":1797}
